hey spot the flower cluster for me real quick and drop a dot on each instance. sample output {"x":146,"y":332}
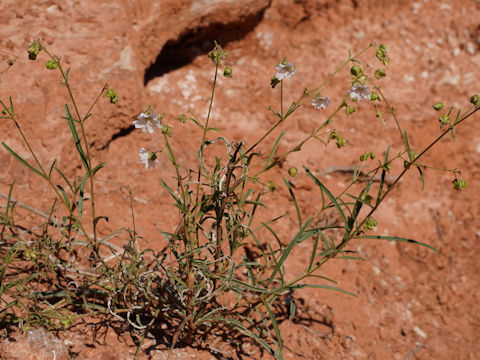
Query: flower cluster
{"x":148,"y":121}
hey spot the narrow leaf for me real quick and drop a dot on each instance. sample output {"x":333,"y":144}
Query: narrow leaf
{"x":16,"y":156}
{"x":398,"y":239}
{"x":329,"y":194}
{"x":272,"y":153}
{"x":294,"y":202}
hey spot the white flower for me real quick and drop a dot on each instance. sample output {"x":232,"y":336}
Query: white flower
{"x":359,"y":92}
{"x":320,"y":102}
{"x":149,"y":159}
{"x":147,"y":120}
{"x":285,"y":70}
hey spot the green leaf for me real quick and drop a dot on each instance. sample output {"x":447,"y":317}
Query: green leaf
{"x":16,"y":156}
{"x":327,"y":287}
{"x":278,"y":354}
{"x":407,"y":145}
{"x":299,"y":216}
{"x":421,"y":177}
{"x":76,"y":139}
{"x":98,"y":167}
{"x":396,"y":238}
{"x":380,"y":187}
{"x":268,"y":164}
{"x":64,"y":178}
{"x":65,"y":197}
{"x":314,"y":252}
{"x":81,"y":196}
{"x":330,"y":196}
{"x":240,"y":327}
{"x":51,"y":168}
{"x":286,"y":252}
{"x":95,"y":221}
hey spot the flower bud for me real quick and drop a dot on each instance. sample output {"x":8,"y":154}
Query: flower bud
{"x":51,"y":65}
{"x":293,"y":171}
{"x":110,"y":93}
{"x":227,"y":72}
{"x":459,"y":184}
{"x":182,"y":118}
{"x":387,"y":167}
{"x":167,"y":130}
{"x":349,"y":110}
{"x":475,"y":100}
{"x":444,"y":119}
{"x":356,"y":70}
{"x":366,"y":197}
{"x":10,"y":62}
{"x":217,"y":54}
{"x":34,"y":49}
{"x":374,"y":96}
{"x":372,"y":155}
{"x":370,"y":224}
{"x":380,"y":73}
{"x":271,"y":186}
{"x":438,"y":106}
{"x":152,"y":156}
{"x":364,"y":157}
{"x":341,"y":142}
{"x":114,"y":99}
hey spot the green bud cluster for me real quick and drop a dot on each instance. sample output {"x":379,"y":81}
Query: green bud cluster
{"x":218,"y":54}
{"x":339,"y":140}
{"x":167,"y":130}
{"x":366,"y":197}
{"x":182,"y":118}
{"x":475,"y":100}
{"x":112,"y":95}
{"x":152,"y":156}
{"x":51,"y":64}
{"x":387,"y":166}
{"x":370,"y":224}
{"x":438,"y":106}
{"x":356,"y":70}
{"x":349,"y":109}
{"x":34,"y":49}
{"x":459,"y":184}
{"x":227,"y":72}
{"x":271,"y":186}
{"x":444,"y":119}
{"x":374,"y":96}
{"x":293,"y":171}
{"x":381,"y":54}
{"x":366,"y":155}
{"x":380,"y":73}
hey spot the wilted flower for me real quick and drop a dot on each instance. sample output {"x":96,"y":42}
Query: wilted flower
{"x":320,"y":102}
{"x":147,"y":120}
{"x":149,"y":159}
{"x":285,"y":70}
{"x":359,"y":92}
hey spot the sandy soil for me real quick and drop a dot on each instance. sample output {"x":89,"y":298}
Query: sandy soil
{"x":412,"y":303}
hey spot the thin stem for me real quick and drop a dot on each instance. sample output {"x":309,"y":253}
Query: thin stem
{"x":205,"y":129}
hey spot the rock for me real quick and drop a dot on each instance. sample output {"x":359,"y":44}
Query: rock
{"x":37,"y":344}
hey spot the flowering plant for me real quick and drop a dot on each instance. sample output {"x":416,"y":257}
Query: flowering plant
{"x":200,"y":280}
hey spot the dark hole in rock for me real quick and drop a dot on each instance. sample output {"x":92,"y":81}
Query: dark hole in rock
{"x":178,"y":53}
